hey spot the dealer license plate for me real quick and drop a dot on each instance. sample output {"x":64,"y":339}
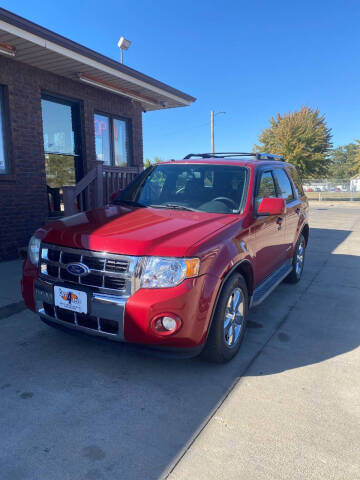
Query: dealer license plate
{"x":74,"y":300}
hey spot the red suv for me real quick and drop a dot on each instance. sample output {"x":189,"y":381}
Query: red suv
{"x":178,"y":257}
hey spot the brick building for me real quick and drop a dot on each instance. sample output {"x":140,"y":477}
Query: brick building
{"x":63,"y":108}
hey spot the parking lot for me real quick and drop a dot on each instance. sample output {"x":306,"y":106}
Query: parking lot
{"x":287,"y":407}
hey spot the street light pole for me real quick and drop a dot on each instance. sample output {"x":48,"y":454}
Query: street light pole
{"x":212,"y":132}
{"x":212,"y":115}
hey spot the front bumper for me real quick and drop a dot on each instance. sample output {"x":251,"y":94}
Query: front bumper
{"x":129,"y":318}
{"x":105,"y":317}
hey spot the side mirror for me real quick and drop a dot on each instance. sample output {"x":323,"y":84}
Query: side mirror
{"x":114,"y":195}
{"x":272,"y":206}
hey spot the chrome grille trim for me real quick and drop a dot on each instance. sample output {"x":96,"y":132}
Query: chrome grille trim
{"x":127,"y":263}
{"x":76,"y":326}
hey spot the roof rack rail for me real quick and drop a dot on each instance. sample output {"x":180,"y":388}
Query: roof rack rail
{"x":257,"y":155}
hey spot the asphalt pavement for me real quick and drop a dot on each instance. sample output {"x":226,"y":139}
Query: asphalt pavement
{"x":287,"y":406}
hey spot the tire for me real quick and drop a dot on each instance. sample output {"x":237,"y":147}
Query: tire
{"x":297,"y":261}
{"x":229,"y":324}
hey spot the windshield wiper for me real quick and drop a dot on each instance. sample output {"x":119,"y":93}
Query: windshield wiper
{"x":128,"y":202}
{"x":174,"y":206}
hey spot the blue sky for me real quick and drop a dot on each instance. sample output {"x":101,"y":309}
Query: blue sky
{"x":251,"y":59}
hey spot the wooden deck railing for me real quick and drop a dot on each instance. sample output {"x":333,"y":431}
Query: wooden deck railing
{"x":116,"y":178}
{"x":96,"y":187}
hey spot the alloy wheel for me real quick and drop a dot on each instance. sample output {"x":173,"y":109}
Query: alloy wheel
{"x":234,"y":317}
{"x":300,"y":257}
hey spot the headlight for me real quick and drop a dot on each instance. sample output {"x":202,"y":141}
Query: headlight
{"x":163,"y":272}
{"x":34,"y":250}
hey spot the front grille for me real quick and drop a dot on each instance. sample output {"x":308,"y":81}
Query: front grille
{"x":108,"y":273}
{"x":115,"y":265}
{"x":114,"y":282}
{"x":70,"y":257}
{"x":99,"y":324}
{"x":52,"y":270}
{"x":54,"y":255}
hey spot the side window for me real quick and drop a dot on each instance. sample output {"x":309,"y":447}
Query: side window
{"x":283,"y":185}
{"x":266,"y":187}
{"x":209,"y":178}
{"x":297,"y":180}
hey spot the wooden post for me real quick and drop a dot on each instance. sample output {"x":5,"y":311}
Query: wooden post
{"x":99,"y":182}
{"x":69,"y":200}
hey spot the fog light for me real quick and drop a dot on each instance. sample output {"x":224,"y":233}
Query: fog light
{"x":165,"y":324}
{"x":168,"y":323}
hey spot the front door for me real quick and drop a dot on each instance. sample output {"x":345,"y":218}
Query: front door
{"x":269,"y":232}
{"x":293,"y":204}
{"x":62,"y":147}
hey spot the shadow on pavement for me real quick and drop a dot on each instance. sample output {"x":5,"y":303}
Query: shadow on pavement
{"x":325,"y":319}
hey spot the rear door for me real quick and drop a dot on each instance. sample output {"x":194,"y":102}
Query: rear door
{"x":269,"y":230}
{"x":286,"y":191}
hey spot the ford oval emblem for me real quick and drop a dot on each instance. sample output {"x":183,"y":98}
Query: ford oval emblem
{"x":78,"y":269}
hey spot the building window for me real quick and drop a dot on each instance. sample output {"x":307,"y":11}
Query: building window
{"x":3,"y":159}
{"x":112,"y":140}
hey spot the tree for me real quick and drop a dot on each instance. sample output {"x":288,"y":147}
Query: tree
{"x":302,"y":138}
{"x":148,"y":162}
{"x":342,"y":163}
{"x":60,"y":170}
{"x":355,"y":168}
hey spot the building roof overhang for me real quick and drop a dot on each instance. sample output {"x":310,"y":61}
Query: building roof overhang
{"x":34,"y":45}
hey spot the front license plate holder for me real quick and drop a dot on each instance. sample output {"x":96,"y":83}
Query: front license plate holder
{"x":71,"y":299}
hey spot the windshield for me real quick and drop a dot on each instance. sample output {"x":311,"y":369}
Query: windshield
{"x":207,"y":188}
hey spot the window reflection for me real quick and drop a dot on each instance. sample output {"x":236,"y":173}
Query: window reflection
{"x":59,"y":170}
{"x":120,"y":143}
{"x":102,"y":138}
{"x":112,"y":140}
{"x":57,"y":127}
{"x":2,"y":135}
{"x":61,"y":130}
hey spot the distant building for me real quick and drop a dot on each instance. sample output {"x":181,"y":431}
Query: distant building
{"x":355,"y":183}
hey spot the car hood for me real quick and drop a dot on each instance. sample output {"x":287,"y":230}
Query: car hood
{"x":135,"y":231}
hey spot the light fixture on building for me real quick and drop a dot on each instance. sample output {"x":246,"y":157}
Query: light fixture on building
{"x":7,"y":49}
{"x":123,"y":44}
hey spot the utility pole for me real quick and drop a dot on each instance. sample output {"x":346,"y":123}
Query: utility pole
{"x":212,"y":132}
{"x":212,"y":115}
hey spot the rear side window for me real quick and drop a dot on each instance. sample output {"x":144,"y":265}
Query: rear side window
{"x":266,"y":187}
{"x":283,"y":185}
{"x":297,"y":180}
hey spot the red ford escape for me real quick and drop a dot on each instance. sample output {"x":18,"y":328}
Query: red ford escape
{"x":177,"y":258}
